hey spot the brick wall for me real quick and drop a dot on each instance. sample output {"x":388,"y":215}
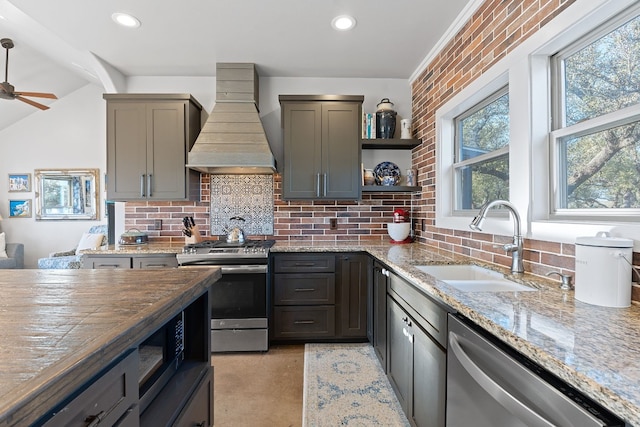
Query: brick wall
{"x":363,"y":220}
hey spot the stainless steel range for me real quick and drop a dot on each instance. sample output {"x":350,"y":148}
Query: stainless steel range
{"x":239,"y":302}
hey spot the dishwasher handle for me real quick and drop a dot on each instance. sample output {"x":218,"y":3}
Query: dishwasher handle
{"x":495,"y":390}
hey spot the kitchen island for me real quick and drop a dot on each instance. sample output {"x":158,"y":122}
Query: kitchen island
{"x":60,"y":328}
{"x":594,"y":349}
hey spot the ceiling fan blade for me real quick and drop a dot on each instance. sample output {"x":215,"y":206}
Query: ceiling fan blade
{"x":37,"y":94}
{"x":30,"y":102}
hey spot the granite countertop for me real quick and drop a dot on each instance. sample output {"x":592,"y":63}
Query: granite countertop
{"x":595,"y":349}
{"x":148,"y":249}
{"x":60,"y":327}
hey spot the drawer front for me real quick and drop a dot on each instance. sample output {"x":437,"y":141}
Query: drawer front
{"x":431,"y":316}
{"x":300,"y":289}
{"x":199,"y":410}
{"x":106,"y":262}
{"x":109,"y":397}
{"x":155,"y":262}
{"x":304,"y":263}
{"x":304,"y":322}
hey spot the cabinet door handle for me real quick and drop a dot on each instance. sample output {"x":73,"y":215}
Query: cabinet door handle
{"x":94,"y":420}
{"x":317,"y":185}
{"x":149,"y":182}
{"x":304,"y":322}
{"x":142,"y":185}
{"x":324,"y":186}
{"x":304,"y":289}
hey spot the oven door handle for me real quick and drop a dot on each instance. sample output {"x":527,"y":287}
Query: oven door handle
{"x":243,"y":269}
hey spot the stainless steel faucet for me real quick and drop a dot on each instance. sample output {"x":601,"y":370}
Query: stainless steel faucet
{"x":514,"y":248}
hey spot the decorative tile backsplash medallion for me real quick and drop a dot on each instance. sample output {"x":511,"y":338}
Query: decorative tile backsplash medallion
{"x":246,"y":196}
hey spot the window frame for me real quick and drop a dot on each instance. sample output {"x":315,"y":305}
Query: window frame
{"x":560,"y":131}
{"x":493,"y":155}
{"x":526,"y":70}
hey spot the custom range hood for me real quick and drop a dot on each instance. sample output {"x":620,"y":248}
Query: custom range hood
{"x":233,"y":140}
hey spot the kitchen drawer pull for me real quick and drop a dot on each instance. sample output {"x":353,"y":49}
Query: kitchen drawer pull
{"x":304,"y":322}
{"x":94,"y":420}
{"x":156,"y":265}
{"x":305,"y":264}
{"x":304,"y":289}
{"x":109,"y":266}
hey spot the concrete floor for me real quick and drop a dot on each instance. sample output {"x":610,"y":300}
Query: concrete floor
{"x":259,"y":389}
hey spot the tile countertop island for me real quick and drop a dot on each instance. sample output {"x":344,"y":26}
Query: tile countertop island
{"x":594,"y":349}
{"x":60,"y":327}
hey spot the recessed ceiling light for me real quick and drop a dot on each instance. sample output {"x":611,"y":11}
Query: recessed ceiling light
{"x":343,"y":22}
{"x":126,"y":20}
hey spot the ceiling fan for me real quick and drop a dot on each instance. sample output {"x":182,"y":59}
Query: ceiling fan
{"x":7,"y":91}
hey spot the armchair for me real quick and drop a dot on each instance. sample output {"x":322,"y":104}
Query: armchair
{"x":15,"y":256}
{"x":72,"y":259}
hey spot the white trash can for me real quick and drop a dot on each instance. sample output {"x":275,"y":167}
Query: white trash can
{"x":603,"y":270}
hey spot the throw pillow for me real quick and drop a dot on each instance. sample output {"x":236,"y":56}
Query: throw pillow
{"x":3,"y":246}
{"x":89,"y":241}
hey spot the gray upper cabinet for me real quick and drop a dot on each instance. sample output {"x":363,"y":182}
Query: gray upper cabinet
{"x":148,"y":138}
{"x":321,"y":146}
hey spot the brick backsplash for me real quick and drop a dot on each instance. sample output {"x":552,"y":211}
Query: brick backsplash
{"x":363,"y":220}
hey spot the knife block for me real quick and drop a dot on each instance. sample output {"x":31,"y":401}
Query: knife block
{"x":195,"y":236}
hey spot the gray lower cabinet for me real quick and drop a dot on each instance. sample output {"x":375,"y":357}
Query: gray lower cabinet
{"x":353,"y":278}
{"x":125,"y":394}
{"x":199,"y":410}
{"x":148,"y":138}
{"x":416,"y":356}
{"x":319,"y":296}
{"x":378,"y":312}
{"x":304,"y":296}
{"x":110,"y":399}
{"x":321,"y":146}
{"x":123,"y":261}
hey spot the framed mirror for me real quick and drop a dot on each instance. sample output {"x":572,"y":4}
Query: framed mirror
{"x":67,"y":194}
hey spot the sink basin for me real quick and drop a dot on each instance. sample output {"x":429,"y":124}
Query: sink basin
{"x":471,"y":278}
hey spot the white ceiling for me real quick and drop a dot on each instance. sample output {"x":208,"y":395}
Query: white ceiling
{"x":284,"y":38}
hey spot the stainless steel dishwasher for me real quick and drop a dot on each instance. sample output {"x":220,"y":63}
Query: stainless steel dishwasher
{"x":491,"y":385}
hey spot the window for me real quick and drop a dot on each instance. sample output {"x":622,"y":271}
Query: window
{"x":481,"y":164}
{"x":595,"y":144}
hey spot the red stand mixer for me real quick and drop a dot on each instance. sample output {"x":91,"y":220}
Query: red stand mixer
{"x":400,"y":229}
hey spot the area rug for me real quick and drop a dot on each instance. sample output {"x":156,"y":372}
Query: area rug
{"x":344,"y":385}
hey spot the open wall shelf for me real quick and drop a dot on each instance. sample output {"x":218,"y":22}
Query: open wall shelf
{"x":390,"y":144}
{"x":388,"y":188}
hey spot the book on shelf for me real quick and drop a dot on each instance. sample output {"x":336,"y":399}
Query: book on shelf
{"x":368,"y":126}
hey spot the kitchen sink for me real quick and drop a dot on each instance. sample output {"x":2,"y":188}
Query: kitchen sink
{"x":472,"y":278}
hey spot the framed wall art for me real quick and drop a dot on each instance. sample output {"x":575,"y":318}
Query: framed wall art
{"x":19,"y":182}
{"x":20,"y":208}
